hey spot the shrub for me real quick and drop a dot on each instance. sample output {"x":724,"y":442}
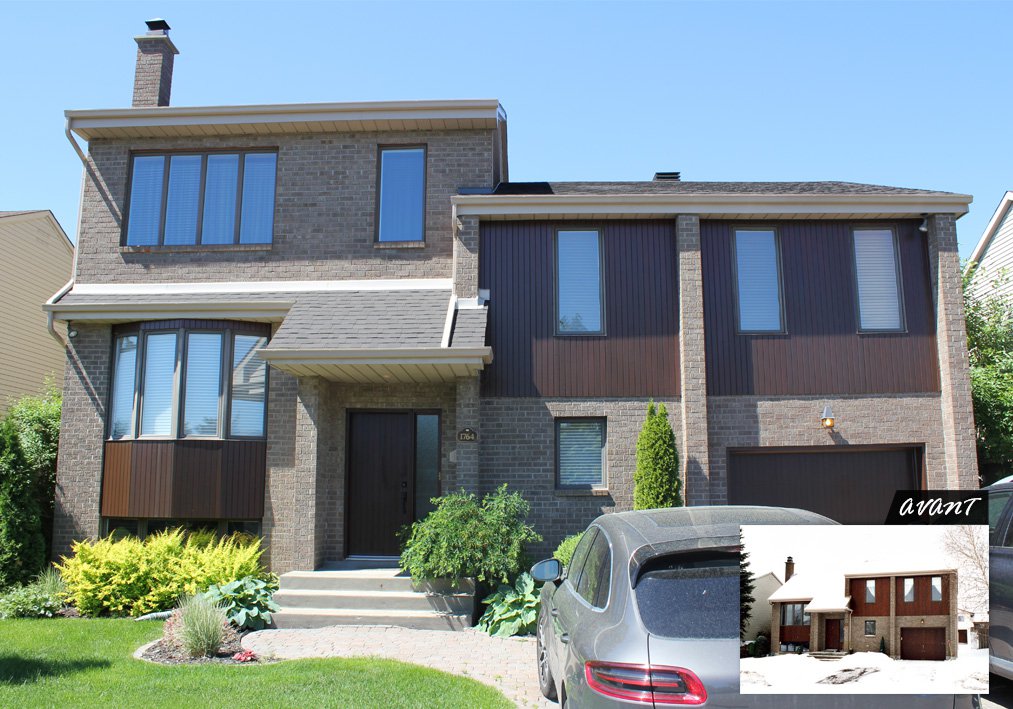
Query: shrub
{"x":247,"y":601}
{"x":656,"y":480}
{"x":513,"y":610}
{"x":201,"y":627}
{"x":760,"y":646}
{"x":564,"y":552}
{"x":42,"y":598}
{"x":882,"y":644}
{"x":128,"y":576}
{"x":463,"y":538}
{"x":22,"y":545}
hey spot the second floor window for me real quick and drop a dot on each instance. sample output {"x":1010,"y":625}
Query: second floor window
{"x":579,"y":299}
{"x":870,"y":591}
{"x":758,"y":278}
{"x":202,"y":199}
{"x":937,"y":588}
{"x":909,"y":590}
{"x":401,"y":215}
{"x":878,"y":280}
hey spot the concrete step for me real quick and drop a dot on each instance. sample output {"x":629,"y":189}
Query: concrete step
{"x":321,"y":618}
{"x":827,"y":655}
{"x":385,"y":600}
{"x":346,"y":580}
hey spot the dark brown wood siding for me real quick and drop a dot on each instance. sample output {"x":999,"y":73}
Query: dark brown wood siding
{"x":923,"y":603}
{"x":638,"y":355}
{"x":794,"y":634}
{"x":857,"y":592}
{"x":186,"y":479}
{"x":821,"y":351}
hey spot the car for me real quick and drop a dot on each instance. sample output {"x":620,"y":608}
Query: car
{"x":1000,"y":582}
{"x":647,"y":614}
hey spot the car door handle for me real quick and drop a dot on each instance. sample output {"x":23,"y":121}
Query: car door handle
{"x":564,"y":638}
{"x":554,"y":612}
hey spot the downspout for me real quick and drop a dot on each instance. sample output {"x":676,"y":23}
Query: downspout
{"x":80,"y":208}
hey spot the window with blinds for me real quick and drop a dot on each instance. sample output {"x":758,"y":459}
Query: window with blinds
{"x":758,"y":273}
{"x":878,"y":280}
{"x":202,"y":199}
{"x":202,"y":385}
{"x":402,"y":211}
{"x":159,"y":381}
{"x":249,"y":385}
{"x":121,"y":408}
{"x":580,"y":446}
{"x":579,"y":283}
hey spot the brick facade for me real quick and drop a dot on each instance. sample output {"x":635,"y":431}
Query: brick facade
{"x":153,"y":72}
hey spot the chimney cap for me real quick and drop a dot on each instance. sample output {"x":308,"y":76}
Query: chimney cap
{"x":157,"y":24}
{"x":789,"y":559}
{"x":668,"y":177}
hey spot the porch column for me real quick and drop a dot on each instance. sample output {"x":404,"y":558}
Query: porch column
{"x":693,"y":370}
{"x":959,"y":446}
{"x":468,"y":415}
{"x":775,"y":628}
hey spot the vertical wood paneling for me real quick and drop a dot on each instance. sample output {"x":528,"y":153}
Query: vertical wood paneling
{"x":923,"y":603}
{"x":639,"y":355}
{"x":821,"y":352}
{"x":856,"y":589}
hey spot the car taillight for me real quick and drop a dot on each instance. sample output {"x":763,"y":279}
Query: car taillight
{"x":645,"y":683}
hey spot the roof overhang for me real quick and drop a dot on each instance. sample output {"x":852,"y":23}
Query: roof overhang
{"x":928,"y":571}
{"x":714,"y":205}
{"x":199,"y":121}
{"x":993,"y":225}
{"x":107,"y":313}
{"x":376,"y":366}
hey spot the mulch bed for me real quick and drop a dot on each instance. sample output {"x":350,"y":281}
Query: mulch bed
{"x":167,"y":654}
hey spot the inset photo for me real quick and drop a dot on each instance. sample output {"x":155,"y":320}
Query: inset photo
{"x":864,"y":610}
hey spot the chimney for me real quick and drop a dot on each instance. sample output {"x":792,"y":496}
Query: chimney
{"x":789,"y":569}
{"x":668,"y":177}
{"x":153,"y":73}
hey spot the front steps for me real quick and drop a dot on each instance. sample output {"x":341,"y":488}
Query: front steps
{"x":828,"y":655}
{"x":365,"y":593}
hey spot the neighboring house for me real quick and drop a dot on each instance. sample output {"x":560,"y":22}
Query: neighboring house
{"x":992,"y":258}
{"x":309,"y":319}
{"x":36,"y":258}
{"x":759,"y":612}
{"x":913,"y":611}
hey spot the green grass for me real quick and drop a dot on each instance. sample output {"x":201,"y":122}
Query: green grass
{"x":76,"y":662}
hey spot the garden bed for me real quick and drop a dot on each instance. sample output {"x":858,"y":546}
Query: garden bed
{"x":165,"y":653}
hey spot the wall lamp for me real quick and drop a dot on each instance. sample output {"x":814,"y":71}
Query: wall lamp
{"x":924,"y":226}
{"x":827,"y":420}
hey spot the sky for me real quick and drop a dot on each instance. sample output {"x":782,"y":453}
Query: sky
{"x":900,"y":93}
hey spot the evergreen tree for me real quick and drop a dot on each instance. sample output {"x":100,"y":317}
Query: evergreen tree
{"x":656,"y":481}
{"x":746,"y":588}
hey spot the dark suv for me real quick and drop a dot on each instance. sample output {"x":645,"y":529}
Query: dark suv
{"x":1000,"y":528}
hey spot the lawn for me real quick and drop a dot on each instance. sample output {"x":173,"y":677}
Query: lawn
{"x":72,"y":662}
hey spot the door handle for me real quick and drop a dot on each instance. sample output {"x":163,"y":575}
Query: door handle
{"x":554,"y":612}
{"x":404,"y":497}
{"x":564,"y":638}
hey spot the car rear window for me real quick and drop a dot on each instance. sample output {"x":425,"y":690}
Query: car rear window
{"x":693,"y":595}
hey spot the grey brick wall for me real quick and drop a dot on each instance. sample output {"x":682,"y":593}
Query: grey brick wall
{"x":153,"y":71}
{"x":466,"y":258}
{"x":324,"y":211}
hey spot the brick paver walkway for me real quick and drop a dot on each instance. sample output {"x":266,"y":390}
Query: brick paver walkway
{"x":508,"y":664}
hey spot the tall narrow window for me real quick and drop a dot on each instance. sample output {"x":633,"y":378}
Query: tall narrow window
{"x":203,"y":383}
{"x":758,"y":275}
{"x":427,"y":462}
{"x":402,"y":194}
{"x":249,"y":386}
{"x":870,"y":591}
{"x":159,"y":382}
{"x":580,"y":445}
{"x":579,"y":283}
{"x":876,"y":271}
{"x":220,"y":199}
{"x":121,"y":414}
{"x":909,"y":590}
{"x":183,"y":200}
{"x":937,"y":588}
{"x":145,"y":200}
{"x":257,"y":224}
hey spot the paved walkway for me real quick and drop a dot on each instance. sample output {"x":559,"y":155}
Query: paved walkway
{"x":508,"y":664}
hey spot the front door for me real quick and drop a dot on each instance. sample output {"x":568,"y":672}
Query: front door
{"x":833,"y":634}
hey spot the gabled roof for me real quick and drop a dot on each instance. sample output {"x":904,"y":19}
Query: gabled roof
{"x":993,"y":224}
{"x":37,"y":215}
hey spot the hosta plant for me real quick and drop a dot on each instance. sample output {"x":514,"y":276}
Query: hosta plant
{"x":513,"y":610}
{"x":247,"y":601}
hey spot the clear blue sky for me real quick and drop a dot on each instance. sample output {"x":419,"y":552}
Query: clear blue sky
{"x":902,"y":93}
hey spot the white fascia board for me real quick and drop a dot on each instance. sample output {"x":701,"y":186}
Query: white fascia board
{"x":221,"y":310}
{"x":422,"y":355}
{"x":990,"y":229}
{"x":378,"y":284}
{"x":709,"y":204}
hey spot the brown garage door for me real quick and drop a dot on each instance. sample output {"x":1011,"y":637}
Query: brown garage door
{"x":853,"y":486}
{"x":923,"y":643}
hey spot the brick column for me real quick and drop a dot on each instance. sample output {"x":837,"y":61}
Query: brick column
{"x":467,"y":416}
{"x":892,"y":631}
{"x":959,"y":445}
{"x":693,"y":369}
{"x":466,"y":258}
{"x":775,"y":628}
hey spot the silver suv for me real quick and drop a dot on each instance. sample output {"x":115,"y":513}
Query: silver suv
{"x":1000,"y":582}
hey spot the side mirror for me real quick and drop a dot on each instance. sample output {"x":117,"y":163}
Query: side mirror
{"x":547,"y":571}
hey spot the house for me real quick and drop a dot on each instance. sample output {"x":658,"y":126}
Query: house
{"x":992,"y":257}
{"x":911,"y":611}
{"x":36,"y":258}
{"x":306,"y":320}
{"x":759,"y":611}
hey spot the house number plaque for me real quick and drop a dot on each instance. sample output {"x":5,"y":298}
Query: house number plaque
{"x":467,"y":435}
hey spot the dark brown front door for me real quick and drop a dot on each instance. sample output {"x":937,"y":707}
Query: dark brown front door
{"x":833,"y":635}
{"x":381,"y":465}
{"x":923,"y":643}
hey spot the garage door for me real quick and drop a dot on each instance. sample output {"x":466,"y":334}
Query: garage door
{"x":853,"y":486}
{"x":923,"y":643}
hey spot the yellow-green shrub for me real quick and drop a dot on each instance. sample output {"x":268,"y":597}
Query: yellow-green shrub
{"x":131,"y":577}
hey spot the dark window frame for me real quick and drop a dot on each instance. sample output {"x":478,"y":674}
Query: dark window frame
{"x":866,"y":629}
{"x":782,"y":314}
{"x":604,"y":574}
{"x":380,"y":149}
{"x":603,"y":485}
{"x":198,"y":235}
{"x":806,"y":617}
{"x":603,"y":330}
{"x":902,"y":308}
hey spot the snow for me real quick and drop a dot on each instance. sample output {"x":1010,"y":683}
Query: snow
{"x":801,"y":674}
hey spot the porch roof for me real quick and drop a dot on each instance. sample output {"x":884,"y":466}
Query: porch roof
{"x":829,"y":603}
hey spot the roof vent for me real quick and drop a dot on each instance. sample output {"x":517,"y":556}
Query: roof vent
{"x":667,"y":176}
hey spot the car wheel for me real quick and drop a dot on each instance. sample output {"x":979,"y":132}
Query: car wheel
{"x":545,"y":681}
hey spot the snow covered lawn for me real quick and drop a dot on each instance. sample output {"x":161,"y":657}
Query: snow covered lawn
{"x":865,"y":673}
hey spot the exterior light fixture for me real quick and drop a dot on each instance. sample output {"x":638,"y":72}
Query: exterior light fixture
{"x":924,"y":226}
{"x":827,"y":420}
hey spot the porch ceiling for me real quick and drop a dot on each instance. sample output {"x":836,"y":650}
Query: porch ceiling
{"x":407,"y":366}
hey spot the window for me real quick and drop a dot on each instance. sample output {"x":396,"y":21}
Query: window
{"x":597,"y":566}
{"x":909,"y":590}
{"x":401,"y":215}
{"x":580,"y":452}
{"x":997,"y":502}
{"x":192,"y":383}
{"x":877,"y":274}
{"x":758,"y":278}
{"x":937,"y":588}
{"x":870,"y":627}
{"x":202,"y":198}
{"x":870,"y":591}
{"x":794,"y":614}
{"x":580,"y":554}
{"x":579,"y":283}
{"x":690,"y":595}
